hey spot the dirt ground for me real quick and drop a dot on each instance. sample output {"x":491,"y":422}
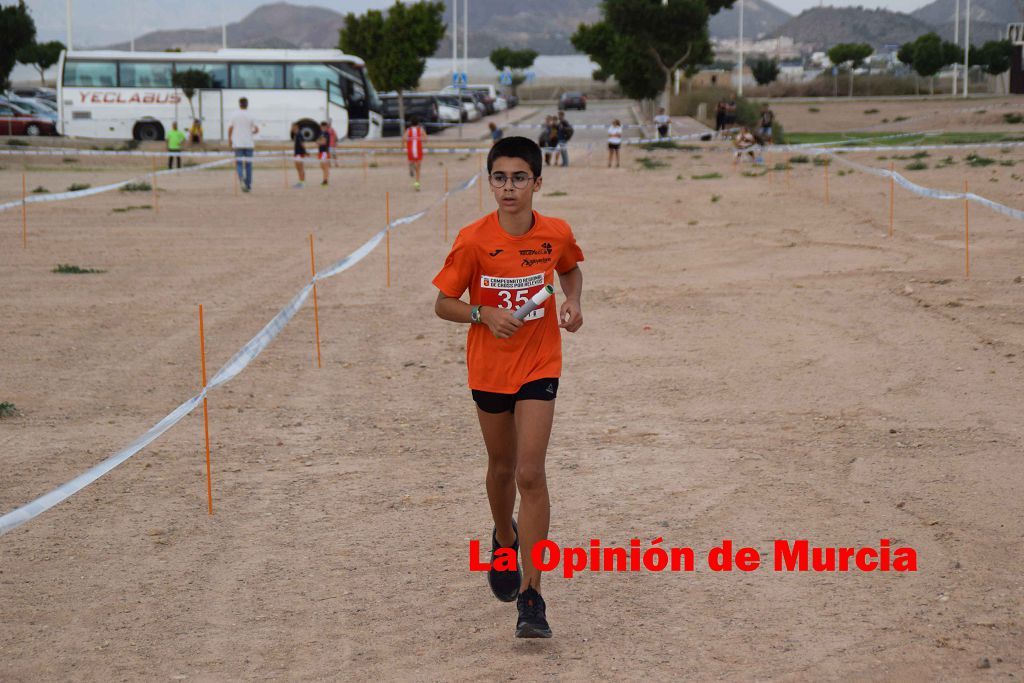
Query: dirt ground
{"x":899,"y":115}
{"x":754,"y":365}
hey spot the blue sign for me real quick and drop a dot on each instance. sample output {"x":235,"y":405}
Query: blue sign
{"x":530,"y":76}
{"x":835,"y":71}
{"x":506,"y":78}
{"x":459,"y":79}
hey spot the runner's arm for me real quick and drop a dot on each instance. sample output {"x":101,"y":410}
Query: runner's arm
{"x":498,"y":320}
{"x":570,"y":314}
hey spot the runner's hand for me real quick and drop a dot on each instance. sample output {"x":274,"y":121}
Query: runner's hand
{"x":499,"y":321}
{"x":570,"y":316}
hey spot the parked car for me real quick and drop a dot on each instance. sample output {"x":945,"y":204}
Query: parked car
{"x":48,"y":94}
{"x":449,"y":109}
{"x":17,"y":121}
{"x":424,"y":107}
{"x":513,"y":100}
{"x":572,"y":100}
{"x":486,"y":94}
{"x":37,"y":107}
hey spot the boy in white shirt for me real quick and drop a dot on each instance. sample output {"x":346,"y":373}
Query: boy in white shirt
{"x":614,"y":142}
{"x":240,"y":136}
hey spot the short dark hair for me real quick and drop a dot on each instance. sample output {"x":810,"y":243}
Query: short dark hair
{"x":243,"y":102}
{"x":517,"y":147}
{"x":414,"y":120}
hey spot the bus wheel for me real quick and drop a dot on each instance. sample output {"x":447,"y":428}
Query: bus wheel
{"x":308,"y":131}
{"x":148,"y":131}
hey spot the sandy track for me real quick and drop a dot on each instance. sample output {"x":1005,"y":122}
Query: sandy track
{"x":752,"y":368}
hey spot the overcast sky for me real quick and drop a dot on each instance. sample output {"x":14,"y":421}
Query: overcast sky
{"x":99,"y":22}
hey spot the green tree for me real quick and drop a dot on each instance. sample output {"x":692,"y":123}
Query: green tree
{"x":17,"y":31}
{"x":395,"y":46}
{"x":994,"y":56}
{"x":765,"y":70}
{"x":516,"y":60}
{"x":851,"y":54}
{"x":41,"y":55}
{"x":642,"y":42}
{"x":189,"y":81}
{"x":930,"y":54}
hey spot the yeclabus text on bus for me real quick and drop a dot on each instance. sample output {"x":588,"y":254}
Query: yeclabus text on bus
{"x":130,"y":95}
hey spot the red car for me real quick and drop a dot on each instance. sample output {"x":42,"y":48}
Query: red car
{"x":16,"y":121}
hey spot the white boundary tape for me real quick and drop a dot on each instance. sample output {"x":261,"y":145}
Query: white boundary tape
{"x":60,"y":196}
{"x":245,"y":355}
{"x":931,"y":192}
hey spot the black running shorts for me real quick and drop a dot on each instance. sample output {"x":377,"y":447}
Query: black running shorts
{"x":538,"y":390}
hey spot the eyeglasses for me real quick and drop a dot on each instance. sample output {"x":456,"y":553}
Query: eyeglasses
{"x":519,"y":180}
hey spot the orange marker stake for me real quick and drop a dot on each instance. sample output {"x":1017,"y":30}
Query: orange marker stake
{"x":826,"y":181}
{"x":284,"y":171}
{"x":234,"y":174}
{"x":156,"y":196}
{"x":892,"y":196}
{"x":446,"y":203}
{"x":387,"y":235}
{"x":316,"y":309}
{"x":206,"y":415}
{"x":364,"y":167}
{"x":24,"y":213}
{"x":967,"y":233}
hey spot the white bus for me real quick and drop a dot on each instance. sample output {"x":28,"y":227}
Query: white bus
{"x":129,"y":95}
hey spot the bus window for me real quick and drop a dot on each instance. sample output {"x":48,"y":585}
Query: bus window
{"x":145,"y":74}
{"x":90,"y":73}
{"x":257,"y":76}
{"x":309,"y":76}
{"x":218,"y":72}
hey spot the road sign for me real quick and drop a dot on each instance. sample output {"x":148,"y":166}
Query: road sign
{"x":530,"y":76}
{"x":506,"y":78}
{"x":459,"y":79}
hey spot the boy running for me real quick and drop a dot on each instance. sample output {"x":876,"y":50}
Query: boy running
{"x":323,"y":147}
{"x":300,"y":156}
{"x":503,"y":259}
{"x":414,"y":136}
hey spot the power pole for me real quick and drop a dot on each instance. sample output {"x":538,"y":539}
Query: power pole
{"x":739,"y":89}
{"x":70,"y":45}
{"x":956,"y":41}
{"x":967,"y":49}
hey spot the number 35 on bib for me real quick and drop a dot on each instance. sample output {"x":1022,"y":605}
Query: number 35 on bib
{"x":511,"y":292}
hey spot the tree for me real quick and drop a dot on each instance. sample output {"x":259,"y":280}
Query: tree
{"x":994,"y":56}
{"x":17,"y":31}
{"x":765,"y":70}
{"x":929,"y":54}
{"x":189,"y":81}
{"x":852,"y":54}
{"x":395,"y":46}
{"x":516,"y":60}
{"x":642,"y":42}
{"x":41,"y":55}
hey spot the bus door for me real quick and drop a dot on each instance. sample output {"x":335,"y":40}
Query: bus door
{"x":211,"y":113}
{"x":337,"y":109}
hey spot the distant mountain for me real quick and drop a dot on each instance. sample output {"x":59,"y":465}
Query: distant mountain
{"x":941,"y":12}
{"x":823,"y":27}
{"x":759,"y":18}
{"x":981,"y":31}
{"x":278,"y":25}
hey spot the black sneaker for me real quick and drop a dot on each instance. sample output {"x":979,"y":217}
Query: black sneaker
{"x":505,"y":584}
{"x":532,"y":621}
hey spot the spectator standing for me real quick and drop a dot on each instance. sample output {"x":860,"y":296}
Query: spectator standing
{"x":563,"y":133}
{"x":241,"y":137}
{"x":720,"y":117}
{"x":175,"y":138}
{"x":766,"y":124}
{"x":614,"y":142}
{"x":333,"y":135}
{"x":662,"y":121}
{"x":195,"y":132}
{"x":548,"y":139}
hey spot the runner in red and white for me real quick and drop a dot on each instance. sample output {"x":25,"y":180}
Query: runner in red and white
{"x":414,"y":137}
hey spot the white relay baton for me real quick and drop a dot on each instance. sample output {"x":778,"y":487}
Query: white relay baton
{"x":535,"y":301}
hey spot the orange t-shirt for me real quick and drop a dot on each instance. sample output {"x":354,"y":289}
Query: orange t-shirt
{"x":505,"y":271}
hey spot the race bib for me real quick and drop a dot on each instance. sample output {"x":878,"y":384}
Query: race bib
{"x":511,"y":292}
